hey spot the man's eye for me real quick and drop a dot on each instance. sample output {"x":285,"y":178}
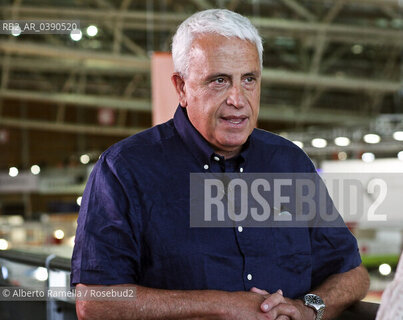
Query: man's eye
{"x":219,"y":80}
{"x":250,"y":79}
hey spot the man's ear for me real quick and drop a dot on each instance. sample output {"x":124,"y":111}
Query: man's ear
{"x":180,"y":88}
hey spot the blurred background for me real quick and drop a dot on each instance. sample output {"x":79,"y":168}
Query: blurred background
{"x":332,"y":82}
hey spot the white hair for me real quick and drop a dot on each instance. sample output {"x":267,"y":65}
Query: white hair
{"x":219,"y":21}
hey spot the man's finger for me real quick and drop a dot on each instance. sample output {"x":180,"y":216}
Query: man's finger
{"x":284,"y":310}
{"x":272,"y":301}
{"x":259,"y":291}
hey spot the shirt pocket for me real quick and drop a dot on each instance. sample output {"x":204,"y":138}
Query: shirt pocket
{"x":293,"y":250}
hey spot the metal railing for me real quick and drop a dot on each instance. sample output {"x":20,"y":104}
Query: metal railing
{"x":19,"y":269}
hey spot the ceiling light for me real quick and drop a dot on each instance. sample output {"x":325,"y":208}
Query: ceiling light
{"x":13,"y":172}
{"x":16,"y":31}
{"x":58,"y":234}
{"x":85,"y":158}
{"x":76,"y":34}
{"x":299,"y":143}
{"x":398,"y":135}
{"x":35,"y":169}
{"x":342,"y":155}
{"x":400,"y":155}
{"x":385,"y":269}
{"x":319,"y":143}
{"x":368,"y":157}
{"x":342,"y":141}
{"x":3,"y":244}
{"x":357,"y":49}
{"x":92,"y":31}
{"x":372,"y":138}
{"x":78,"y":201}
{"x":41,"y":274}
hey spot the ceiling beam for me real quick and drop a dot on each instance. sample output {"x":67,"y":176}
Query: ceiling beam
{"x":323,"y":81}
{"x":116,"y":30}
{"x":299,"y":9}
{"x":275,"y":115}
{"x":85,"y":100}
{"x":67,"y":127}
{"x":284,"y":113}
{"x":129,"y":65}
{"x":385,"y":146}
{"x":280,"y":113}
{"x":91,"y":58}
{"x":202,"y":4}
{"x":334,"y":11}
{"x":60,"y":66}
{"x":138,"y":19}
{"x":340,"y":32}
{"x":382,"y":3}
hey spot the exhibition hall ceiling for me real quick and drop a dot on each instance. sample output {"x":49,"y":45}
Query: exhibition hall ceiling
{"x":329,"y":66}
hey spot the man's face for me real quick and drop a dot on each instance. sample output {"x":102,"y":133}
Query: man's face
{"x":221,"y":91}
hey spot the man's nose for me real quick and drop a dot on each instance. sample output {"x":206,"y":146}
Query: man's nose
{"x":236,"y":96}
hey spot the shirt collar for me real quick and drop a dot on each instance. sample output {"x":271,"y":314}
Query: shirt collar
{"x":196,"y":143}
{"x":193,"y":140}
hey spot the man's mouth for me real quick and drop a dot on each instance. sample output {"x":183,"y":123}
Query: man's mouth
{"x":235,"y":120}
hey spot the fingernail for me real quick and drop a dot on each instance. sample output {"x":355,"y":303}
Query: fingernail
{"x":280,"y":291}
{"x":265,"y":307}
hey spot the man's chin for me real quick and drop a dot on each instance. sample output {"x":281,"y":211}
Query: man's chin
{"x":233,"y":144}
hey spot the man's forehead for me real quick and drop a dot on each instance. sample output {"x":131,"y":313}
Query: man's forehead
{"x":217,"y":46}
{"x":222,"y":54}
{"x":215,"y":39}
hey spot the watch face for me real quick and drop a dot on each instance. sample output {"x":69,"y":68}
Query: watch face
{"x":314,"y":301}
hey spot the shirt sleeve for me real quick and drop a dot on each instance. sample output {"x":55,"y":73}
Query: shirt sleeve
{"x":334,"y":247}
{"x":107,"y":245}
{"x":334,"y":250}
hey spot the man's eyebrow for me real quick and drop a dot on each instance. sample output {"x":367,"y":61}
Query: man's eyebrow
{"x":225,"y":75}
{"x":252,"y":74}
{"x":218,"y":75}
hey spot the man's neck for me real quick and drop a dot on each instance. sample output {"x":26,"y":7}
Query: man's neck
{"x":228,"y":154}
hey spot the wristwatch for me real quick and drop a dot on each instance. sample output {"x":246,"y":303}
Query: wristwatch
{"x":316,"y":303}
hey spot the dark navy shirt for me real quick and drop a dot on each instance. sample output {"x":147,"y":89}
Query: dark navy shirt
{"x":133,"y":225}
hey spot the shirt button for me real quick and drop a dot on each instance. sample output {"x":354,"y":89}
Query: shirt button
{"x":240,"y":169}
{"x":216,"y":158}
{"x":240,"y":229}
{"x":205,"y":166}
{"x":249,"y":277}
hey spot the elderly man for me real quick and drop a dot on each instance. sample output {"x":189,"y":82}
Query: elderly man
{"x":133,"y":226}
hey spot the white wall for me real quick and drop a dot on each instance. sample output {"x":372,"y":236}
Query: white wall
{"x":368,"y":193}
